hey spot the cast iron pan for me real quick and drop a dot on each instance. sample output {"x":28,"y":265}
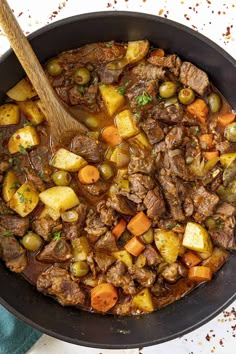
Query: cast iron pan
{"x":205,"y":302}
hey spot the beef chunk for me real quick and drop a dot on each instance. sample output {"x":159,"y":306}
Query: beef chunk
{"x":171,"y":62}
{"x":106,"y":243}
{"x":13,"y":254}
{"x":95,"y":189}
{"x":121,"y":204}
{"x":174,"y":163}
{"x":223,"y":146}
{"x":123,"y":308}
{"x":140,"y":185}
{"x":149,"y":86}
{"x":56,"y":281}
{"x":155,"y":204}
{"x":39,"y":161}
{"x":44,"y":227}
{"x":188,"y":206}
{"x":109,"y":75}
{"x":152,"y":256}
{"x":140,"y":162}
{"x":35,"y":179}
{"x":223,"y":234}
{"x":117,"y":275}
{"x":72,"y":229}
{"x":204,"y":203}
{"x":147,"y":71}
{"x":55,"y":251}
{"x":87,"y":98}
{"x":86,"y":147}
{"x":226,"y":209}
{"x":175,"y":137}
{"x":94,"y":225}
{"x":107,"y":214}
{"x":103,"y":260}
{"x":144,"y":276}
{"x":191,"y":76}
{"x":153,"y":130}
{"x":172,"y":114}
{"x":173,"y":272}
{"x":4,"y":163}
{"x":15,"y":224}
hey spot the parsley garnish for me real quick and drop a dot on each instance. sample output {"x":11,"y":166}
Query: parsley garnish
{"x":28,"y":124}
{"x":136,"y":115}
{"x":22,"y":150}
{"x":80,"y":89}
{"x":22,"y":197}
{"x":56,"y":236}
{"x":122,"y":89}
{"x":108,"y":45}
{"x":143,"y":99}
{"x":15,"y":185}
{"x":7,"y":233}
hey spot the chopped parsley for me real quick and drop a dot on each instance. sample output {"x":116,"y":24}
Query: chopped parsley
{"x":22,"y":150}
{"x":122,"y":89}
{"x":22,"y":197}
{"x":80,"y":89}
{"x":56,"y":236}
{"x":15,"y":185}
{"x":136,"y":115}
{"x":144,"y":99}
{"x":7,"y":233}
{"x":108,"y":45}
{"x":28,"y":124}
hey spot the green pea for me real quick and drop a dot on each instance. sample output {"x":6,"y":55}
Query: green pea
{"x":230,"y":132}
{"x":91,"y":122}
{"x":54,"y":68}
{"x":61,"y":178}
{"x":167,"y":89}
{"x":32,"y":241}
{"x":82,"y":76}
{"x":214,"y":102}
{"x":186,"y":96}
{"x":148,"y":236}
{"x":79,"y":268}
{"x":106,"y":171}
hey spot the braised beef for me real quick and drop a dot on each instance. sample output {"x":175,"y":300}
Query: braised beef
{"x":39,"y":160}
{"x":144,"y":276}
{"x":35,"y":180}
{"x":140,"y":162}
{"x":55,"y":251}
{"x":117,"y":275}
{"x":146,"y":71}
{"x":108,"y":215}
{"x":87,"y":98}
{"x":171,"y":114}
{"x":72,"y":230}
{"x":149,"y":87}
{"x":121,"y":204}
{"x":175,"y":137}
{"x":94,"y":225}
{"x":153,"y":257}
{"x":106,"y":243}
{"x":44,"y":227}
{"x":12,"y":253}
{"x":140,"y":185}
{"x":171,"y":62}
{"x":193,"y":77}
{"x":174,"y":271}
{"x":204,"y":203}
{"x":103,"y":260}
{"x":86,"y":147}
{"x":153,"y":130}
{"x":223,"y":234}
{"x":15,"y":224}
{"x":155,"y":204}
{"x":174,"y":161}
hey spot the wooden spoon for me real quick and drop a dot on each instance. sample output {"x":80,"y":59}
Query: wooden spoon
{"x":62,"y":124}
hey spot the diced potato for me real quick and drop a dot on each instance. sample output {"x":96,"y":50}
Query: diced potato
{"x":124,"y":257}
{"x":67,"y":160}
{"x":25,"y":199}
{"x":141,"y":140}
{"x":123,"y":184}
{"x":196,"y":238}
{"x":126,"y":124}
{"x":143,"y":301}
{"x":10,"y":185}
{"x":168,"y":244}
{"x":136,"y":51}
{"x":217,"y":259}
{"x":9,"y":114}
{"x":80,"y":248}
{"x":50,"y":212}
{"x":89,"y":281}
{"x":112,"y":99}
{"x":205,"y":255}
{"x":120,"y":157}
{"x":32,"y":111}
{"x":23,"y":138}
{"x":227,"y":158}
{"x":22,"y":91}
{"x":59,"y":197}
{"x":141,"y":261}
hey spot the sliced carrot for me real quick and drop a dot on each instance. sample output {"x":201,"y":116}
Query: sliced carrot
{"x":226,"y":118}
{"x":200,"y":273}
{"x":206,"y":141}
{"x":134,"y":246}
{"x":88,"y":174}
{"x":103,"y":297}
{"x":111,"y":135}
{"x":209,"y":155}
{"x":139,"y":224}
{"x":199,"y":109}
{"x":119,"y":228}
{"x":191,"y":259}
{"x":158,"y":53}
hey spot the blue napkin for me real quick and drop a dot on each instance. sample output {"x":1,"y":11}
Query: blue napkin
{"x":15,"y":336}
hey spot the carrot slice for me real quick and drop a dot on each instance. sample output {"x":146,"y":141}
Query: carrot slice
{"x":200,"y":273}
{"x":198,"y":109}
{"x":226,"y":118}
{"x":139,"y":224}
{"x":88,"y":174}
{"x":209,"y":155}
{"x":134,"y":246}
{"x":191,"y":259}
{"x":103,"y":297}
{"x":206,"y":141}
{"x":119,"y":228}
{"x":111,"y":135}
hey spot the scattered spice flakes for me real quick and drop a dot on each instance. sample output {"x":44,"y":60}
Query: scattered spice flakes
{"x":208,"y":337}
{"x":109,"y":5}
{"x":221,"y":342}
{"x":21,"y":13}
{"x":59,"y":8}
{"x":187,"y":17}
{"x":160,"y":12}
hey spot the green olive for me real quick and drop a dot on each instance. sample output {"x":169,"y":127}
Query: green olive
{"x":148,"y":237}
{"x":186,"y":96}
{"x":106,"y":171}
{"x":167,"y":89}
{"x":230,"y":132}
{"x":79,"y":268}
{"x":210,"y":223}
{"x":61,"y":178}
{"x":54,"y":68}
{"x":170,"y":101}
{"x":214,"y":102}
{"x":70,"y":216}
{"x":82,"y":76}
{"x":91,"y":122}
{"x":32,"y":241}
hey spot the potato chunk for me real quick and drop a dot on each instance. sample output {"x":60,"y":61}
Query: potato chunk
{"x":9,"y":114}
{"x":136,"y":51}
{"x":227,"y":158}
{"x":22,"y":91}
{"x":25,"y":200}
{"x":67,"y":160}
{"x":23,"y":138}
{"x":80,"y":248}
{"x":32,"y":111}
{"x":126,"y":124}
{"x":50,"y":212}
{"x":141,"y":141}
{"x":124,"y":257}
{"x":112,"y":99}
{"x":217,"y":259}
{"x":59,"y":198}
{"x":143,"y":301}
{"x":168,"y":244}
{"x":196,"y":238}
{"x":10,"y":185}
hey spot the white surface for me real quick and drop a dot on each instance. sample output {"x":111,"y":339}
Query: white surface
{"x":216,"y":20}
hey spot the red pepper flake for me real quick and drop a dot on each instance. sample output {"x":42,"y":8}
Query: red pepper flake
{"x":209,"y":2}
{"x":208,"y":338}
{"x":109,"y":5}
{"x":21,"y":13}
{"x":186,"y":16}
{"x":160,"y":12}
{"x":219,"y":12}
{"x":221,"y":342}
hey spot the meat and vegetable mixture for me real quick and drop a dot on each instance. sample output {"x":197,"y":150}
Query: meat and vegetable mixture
{"x":134,"y":213}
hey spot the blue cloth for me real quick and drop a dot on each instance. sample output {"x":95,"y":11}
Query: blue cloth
{"x":15,"y":336}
